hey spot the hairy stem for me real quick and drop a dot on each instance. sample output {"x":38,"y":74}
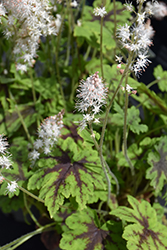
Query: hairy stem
{"x":101,"y":47}
{"x":21,"y":118}
{"x":29,"y":211}
{"x":125,"y":128}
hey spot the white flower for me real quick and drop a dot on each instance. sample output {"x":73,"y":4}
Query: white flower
{"x":99,"y":12}
{"x":92,"y":93}
{"x":96,"y":120}
{"x":34,"y":20}
{"x":1,"y":179}
{"x":46,"y":151}
{"x":96,"y":109}
{"x":128,"y":88}
{"x":74,"y":4}
{"x":38,"y":144}
{"x":118,"y":58}
{"x":88,"y":117}
{"x":21,"y":67}
{"x":5,"y":161}
{"x":2,"y":10}
{"x":11,"y":188}
{"x":79,"y":23}
{"x":129,"y":6}
{"x":141,"y":18}
{"x":48,"y":132}
{"x":34,"y":155}
{"x":3,"y":144}
{"x":124,"y":32}
{"x":157,"y":9}
{"x":141,"y":63}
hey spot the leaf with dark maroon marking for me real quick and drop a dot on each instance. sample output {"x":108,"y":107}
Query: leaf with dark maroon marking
{"x":70,"y":130}
{"x":69,"y":171}
{"x":146,"y":233}
{"x":157,"y":173}
{"x":83,"y":233}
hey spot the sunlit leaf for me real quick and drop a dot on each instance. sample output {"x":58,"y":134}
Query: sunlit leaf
{"x":146,"y":232}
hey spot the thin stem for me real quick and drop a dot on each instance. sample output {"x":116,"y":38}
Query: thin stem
{"x":29,"y":211}
{"x":34,"y":95}
{"x":87,"y":52}
{"x":26,"y":191}
{"x":83,"y":5}
{"x":69,"y":34}
{"x":113,"y":176}
{"x":115,"y":20}
{"x":125,"y":128}
{"x":33,"y":89}
{"x":109,"y":107}
{"x":106,"y":175}
{"x":30,"y":194}
{"x":117,"y":141}
{"x":57,"y":60}
{"x":21,"y":118}
{"x":152,"y":83}
{"x":101,"y":47}
{"x":103,"y":163}
{"x":14,"y":244}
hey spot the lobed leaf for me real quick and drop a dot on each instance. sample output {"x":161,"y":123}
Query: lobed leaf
{"x":83,"y":232}
{"x":133,"y":119}
{"x":68,"y":172}
{"x":146,"y":233}
{"x":157,"y":173}
{"x":161,"y":76}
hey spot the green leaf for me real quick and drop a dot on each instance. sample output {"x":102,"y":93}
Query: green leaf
{"x":162,"y":77}
{"x":157,"y":173}
{"x":9,"y":204}
{"x":114,"y":241}
{"x":83,"y":233}
{"x":69,"y":171}
{"x":150,"y":100}
{"x":3,"y":79}
{"x":134,"y":153}
{"x":133,"y":119}
{"x":146,"y":232}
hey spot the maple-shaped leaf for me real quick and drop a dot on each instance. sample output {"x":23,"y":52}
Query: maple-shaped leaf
{"x":133,"y":119}
{"x":157,"y":173}
{"x":68,"y":171}
{"x":83,"y":233}
{"x":146,"y":233}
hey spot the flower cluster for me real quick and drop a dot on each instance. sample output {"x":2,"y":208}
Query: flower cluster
{"x":156,"y":9}
{"x":100,"y":12}
{"x":48,"y":134}
{"x":137,"y":38}
{"x":91,"y":96}
{"x":27,"y":21}
{"x":5,"y":162}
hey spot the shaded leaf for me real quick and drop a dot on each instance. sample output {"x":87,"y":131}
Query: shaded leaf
{"x":133,"y":119}
{"x":134,"y":153}
{"x":150,"y":100}
{"x":161,"y":75}
{"x":157,"y":173}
